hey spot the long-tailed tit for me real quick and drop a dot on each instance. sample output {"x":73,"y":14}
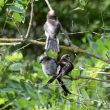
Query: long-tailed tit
{"x":49,"y":66}
{"x":64,"y":67}
{"x":52,"y":28}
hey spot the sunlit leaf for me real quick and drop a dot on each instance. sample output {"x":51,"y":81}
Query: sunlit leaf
{"x":16,"y":56}
{"x":1,"y":4}
{"x":2,"y":100}
{"x":17,"y":17}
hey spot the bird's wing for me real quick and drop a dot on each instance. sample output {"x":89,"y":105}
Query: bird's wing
{"x":57,"y":27}
{"x":67,"y":68}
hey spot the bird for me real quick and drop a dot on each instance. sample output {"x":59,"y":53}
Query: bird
{"x":64,"y":67}
{"x":49,"y":67}
{"x":52,"y":28}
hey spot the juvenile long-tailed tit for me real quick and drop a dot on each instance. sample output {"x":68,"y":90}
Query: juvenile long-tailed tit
{"x":52,"y":28}
{"x":49,"y":66}
{"x":64,"y":67}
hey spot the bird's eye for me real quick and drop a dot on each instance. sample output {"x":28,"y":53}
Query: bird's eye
{"x":67,"y":55}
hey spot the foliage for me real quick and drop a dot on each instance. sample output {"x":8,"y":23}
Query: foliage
{"x":21,"y":76}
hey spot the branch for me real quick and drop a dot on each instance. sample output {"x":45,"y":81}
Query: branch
{"x":30,"y":22}
{"x":95,"y":56}
{"x":22,"y":47}
{"x":13,"y":43}
{"x":82,"y":32}
{"x":48,"y":4}
{"x":74,"y":48}
{"x":95,"y":72}
{"x":87,"y":77}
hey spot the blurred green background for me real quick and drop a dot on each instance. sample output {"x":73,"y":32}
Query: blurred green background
{"x":21,"y":75}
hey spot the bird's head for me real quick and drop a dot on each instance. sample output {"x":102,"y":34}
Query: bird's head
{"x":65,"y":57}
{"x":43,"y":59}
{"x":51,"y":15}
{"x":68,"y":57}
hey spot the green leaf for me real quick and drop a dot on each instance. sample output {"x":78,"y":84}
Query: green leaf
{"x":17,"y":8}
{"x":52,"y":54}
{"x":2,"y":100}
{"x":16,"y":56}
{"x":2,"y":3}
{"x":17,"y":17}
{"x":16,"y":67}
{"x":22,"y":102}
{"x":84,"y":93}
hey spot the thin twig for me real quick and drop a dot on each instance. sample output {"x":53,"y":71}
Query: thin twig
{"x":17,"y":27}
{"x":22,"y":47}
{"x":87,"y":77}
{"x":48,"y":4}
{"x":94,"y":72}
{"x":95,"y":56}
{"x":81,"y":32}
{"x":30,"y":21}
{"x":77,"y":78}
{"x":72,"y":33}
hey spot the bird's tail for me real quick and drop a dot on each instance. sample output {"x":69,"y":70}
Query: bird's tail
{"x":66,"y":91}
{"x":52,"y":44}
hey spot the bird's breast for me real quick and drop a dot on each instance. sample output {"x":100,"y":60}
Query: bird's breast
{"x":49,"y":68}
{"x":51,"y":29}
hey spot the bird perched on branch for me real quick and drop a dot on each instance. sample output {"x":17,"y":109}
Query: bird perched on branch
{"x":49,"y":66}
{"x":64,"y":67}
{"x":52,"y":28}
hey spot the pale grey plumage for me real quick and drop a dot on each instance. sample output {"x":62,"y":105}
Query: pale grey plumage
{"x":52,"y":28}
{"x":49,"y":65}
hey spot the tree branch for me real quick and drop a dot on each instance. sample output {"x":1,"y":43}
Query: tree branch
{"x":13,"y":43}
{"x":74,"y":48}
{"x":48,"y":4}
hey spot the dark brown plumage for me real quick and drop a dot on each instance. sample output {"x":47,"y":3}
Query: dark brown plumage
{"x":64,"y":67}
